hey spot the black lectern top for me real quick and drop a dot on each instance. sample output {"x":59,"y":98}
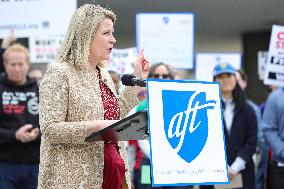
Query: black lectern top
{"x":133,"y":127}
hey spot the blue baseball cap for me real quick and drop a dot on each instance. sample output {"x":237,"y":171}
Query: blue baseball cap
{"x":223,"y":68}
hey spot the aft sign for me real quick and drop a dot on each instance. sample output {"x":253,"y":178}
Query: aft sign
{"x":274,"y":74}
{"x":186,"y":133}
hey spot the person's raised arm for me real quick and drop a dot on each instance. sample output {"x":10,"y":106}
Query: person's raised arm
{"x":141,"y":69}
{"x":8,"y":39}
{"x":6,"y":42}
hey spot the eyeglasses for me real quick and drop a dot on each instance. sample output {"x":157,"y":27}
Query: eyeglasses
{"x":161,"y":76}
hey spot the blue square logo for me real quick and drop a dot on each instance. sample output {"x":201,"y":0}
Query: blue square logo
{"x":186,"y":121}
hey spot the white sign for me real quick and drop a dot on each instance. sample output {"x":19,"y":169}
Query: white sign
{"x":186,"y":133}
{"x":262,"y":61}
{"x":274,"y":74}
{"x":44,"y":49}
{"x":166,"y":37}
{"x":122,"y":60}
{"x":205,"y":63}
{"x":36,"y":17}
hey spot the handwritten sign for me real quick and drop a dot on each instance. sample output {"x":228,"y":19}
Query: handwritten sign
{"x":186,"y":130}
{"x":262,"y":61}
{"x":44,"y":49}
{"x":166,"y":37}
{"x":274,"y":74}
{"x":37,"y":17}
{"x":122,"y":60}
{"x":205,"y":63}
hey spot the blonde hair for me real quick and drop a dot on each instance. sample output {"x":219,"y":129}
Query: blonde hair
{"x":84,"y":23}
{"x":17,"y":47}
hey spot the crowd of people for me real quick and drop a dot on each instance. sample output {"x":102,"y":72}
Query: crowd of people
{"x":44,"y":119}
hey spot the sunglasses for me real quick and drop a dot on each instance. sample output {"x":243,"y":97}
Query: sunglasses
{"x":163,"y":76}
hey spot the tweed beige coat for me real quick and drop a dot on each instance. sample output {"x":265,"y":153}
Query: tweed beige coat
{"x":68,"y":98}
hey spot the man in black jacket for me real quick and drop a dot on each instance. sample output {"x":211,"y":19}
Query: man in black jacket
{"x":19,"y":127}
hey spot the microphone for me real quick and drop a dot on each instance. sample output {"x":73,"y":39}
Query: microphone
{"x":131,"y":80}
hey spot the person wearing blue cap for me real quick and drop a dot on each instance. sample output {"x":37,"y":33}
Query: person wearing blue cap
{"x":240,"y":126}
{"x":223,"y":68}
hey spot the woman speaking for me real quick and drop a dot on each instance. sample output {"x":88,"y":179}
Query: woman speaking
{"x":78,"y":97}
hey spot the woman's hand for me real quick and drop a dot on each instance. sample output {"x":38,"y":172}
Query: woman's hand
{"x":96,"y":125}
{"x":142,"y":66}
{"x":232,"y":174}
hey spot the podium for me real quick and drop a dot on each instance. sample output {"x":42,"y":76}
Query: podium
{"x":133,"y":127}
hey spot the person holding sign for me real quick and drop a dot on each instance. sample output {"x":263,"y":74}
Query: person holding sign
{"x":77,"y":98}
{"x":240,"y":127}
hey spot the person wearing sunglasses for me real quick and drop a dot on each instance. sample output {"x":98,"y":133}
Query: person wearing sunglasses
{"x":157,"y":71}
{"x":161,"y":71}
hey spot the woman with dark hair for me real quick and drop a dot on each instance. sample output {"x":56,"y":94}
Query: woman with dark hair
{"x":240,"y":126}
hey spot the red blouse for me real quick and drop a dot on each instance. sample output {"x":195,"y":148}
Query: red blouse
{"x":114,"y":167}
